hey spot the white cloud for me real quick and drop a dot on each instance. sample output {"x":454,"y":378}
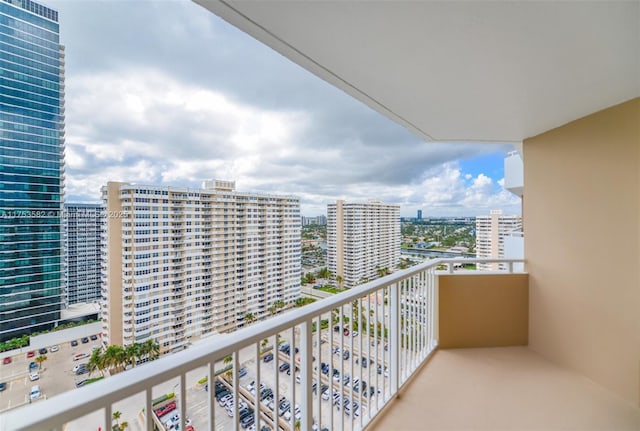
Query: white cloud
{"x":157,"y":105}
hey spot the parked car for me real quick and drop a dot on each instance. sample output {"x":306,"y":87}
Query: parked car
{"x":79,"y":356}
{"x":34,"y":376}
{"x":77,"y":367}
{"x":284,"y":366}
{"x":43,"y":351}
{"x":6,"y":360}
{"x":242,"y":372}
{"x":35,"y":393}
{"x":172,"y":421}
{"x":3,"y":386}
{"x":85,"y":340}
{"x":54,"y":348}
{"x":74,"y":343}
{"x":94,"y":337}
{"x":167,"y":408}
{"x":31,"y":354}
{"x":81,"y":383}
{"x":268,"y":357}
{"x":33,"y":365}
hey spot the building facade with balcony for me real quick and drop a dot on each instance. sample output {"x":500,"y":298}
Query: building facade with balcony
{"x":83,"y":230}
{"x":185,"y":262}
{"x":31,"y":167}
{"x":363,"y":238}
{"x":491,"y":232}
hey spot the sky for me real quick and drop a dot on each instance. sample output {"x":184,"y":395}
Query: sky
{"x":164,"y":92}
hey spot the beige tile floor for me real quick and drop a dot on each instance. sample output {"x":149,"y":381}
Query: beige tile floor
{"x":510,"y":388}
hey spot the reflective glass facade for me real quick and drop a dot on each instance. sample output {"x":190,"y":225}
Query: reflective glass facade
{"x":31,"y":167}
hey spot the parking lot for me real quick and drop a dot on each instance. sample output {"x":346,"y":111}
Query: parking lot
{"x":54,"y":377}
{"x":330,"y":411}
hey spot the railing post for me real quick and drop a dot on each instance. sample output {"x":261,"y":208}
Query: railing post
{"x":395,"y":337}
{"x":306,"y":365}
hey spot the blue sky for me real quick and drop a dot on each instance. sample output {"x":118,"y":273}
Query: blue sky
{"x":167,"y":93}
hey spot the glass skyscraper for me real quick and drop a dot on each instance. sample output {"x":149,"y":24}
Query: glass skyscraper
{"x":31,"y":167}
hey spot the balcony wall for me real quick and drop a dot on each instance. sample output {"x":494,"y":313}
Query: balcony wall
{"x":582,"y":219}
{"x":483,"y":310}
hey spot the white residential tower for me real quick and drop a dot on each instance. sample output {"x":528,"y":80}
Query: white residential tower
{"x":182,"y":263}
{"x":362,"y":240}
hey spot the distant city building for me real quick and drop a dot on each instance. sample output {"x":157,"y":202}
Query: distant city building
{"x":419,"y":215}
{"x":31,"y":168}
{"x":362,"y":238}
{"x":320,"y":220}
{"x":83,"y":229}
{"x":491,"y":231}
{"x":183,"y":263}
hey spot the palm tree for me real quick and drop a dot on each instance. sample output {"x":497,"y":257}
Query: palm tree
{"x":40,"y":359}
{"x":96,"y":362}
{"x":132,"y":353}
{"x":339,"y":280}
{"x":298,"y":424}
{"x":249,"y":317}
{"x":150,"y":349}
{"x":124,"y":425}
{"x":114,"y":357}
{"x":115,"y":416}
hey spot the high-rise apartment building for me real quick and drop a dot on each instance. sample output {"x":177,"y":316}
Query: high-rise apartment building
{"x":31,"y":167}
{"x":320,"y":220}
{"x":83,"y":226}
{"x":491,"y":232}
{"x":187,"y":262}
{"x":362,"y":239}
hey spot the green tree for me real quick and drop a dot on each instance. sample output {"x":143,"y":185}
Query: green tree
{"x":150,"y":349}
{"x":339,"y":280}
{"x":324,"y":273}
{"x":115,"y":416}
{"x":40,"y":359}
{"x":249,"y":317}
{"x":132,"y":353}
{"x":124,"y":425}
{"x":96,"y":362}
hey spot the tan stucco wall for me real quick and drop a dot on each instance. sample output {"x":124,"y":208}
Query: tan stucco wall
{"x":483,"y":310}
{"x":581,"y":221}
{"x":114,"y":266}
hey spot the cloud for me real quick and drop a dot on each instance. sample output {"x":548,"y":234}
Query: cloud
{"x":167,"y":93}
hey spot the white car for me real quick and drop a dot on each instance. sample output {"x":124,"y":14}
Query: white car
{"x":172,"y":421}
{"x":297,"y":413}
{"x":54,"y":348}
{"x":34,"y":376}
{"x":35,"y":392}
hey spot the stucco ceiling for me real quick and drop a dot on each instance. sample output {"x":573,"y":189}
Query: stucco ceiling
{"x":459,"y":71}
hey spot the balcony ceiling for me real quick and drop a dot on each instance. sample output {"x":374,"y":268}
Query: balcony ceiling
{"x":459,"y":71}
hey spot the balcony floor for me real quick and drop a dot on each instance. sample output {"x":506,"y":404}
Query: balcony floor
{"x":510,"y":388}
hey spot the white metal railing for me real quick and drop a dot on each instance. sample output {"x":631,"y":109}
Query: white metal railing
{"x":395,"y":318}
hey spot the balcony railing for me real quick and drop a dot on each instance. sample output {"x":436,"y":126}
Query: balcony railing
{"x":395,"y":321}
